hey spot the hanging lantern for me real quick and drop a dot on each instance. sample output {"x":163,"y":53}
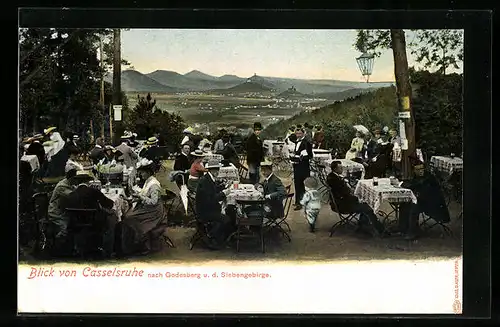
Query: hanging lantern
{"x":365,"y":64}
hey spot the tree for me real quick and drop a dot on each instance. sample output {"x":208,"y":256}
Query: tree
{"x":433,"y":49}
{"x":59,"y":77}
{"x":146,"y":119}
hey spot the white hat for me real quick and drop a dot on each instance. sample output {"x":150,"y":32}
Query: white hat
{"x":213,"y":165}
{"x":49,"y":130}
{"x":188,"y":130}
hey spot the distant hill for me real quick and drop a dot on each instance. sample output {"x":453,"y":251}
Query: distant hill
{"x":134,"y":81}
{"x":246,"y":87}
{"x":196,"y":74}
{"x":198,"y":81}
{"x":231,"y":78}
{"x":291,"y":93}
{"x":194,"y":82}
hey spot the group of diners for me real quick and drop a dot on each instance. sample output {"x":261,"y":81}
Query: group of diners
{"x":126,"y":212}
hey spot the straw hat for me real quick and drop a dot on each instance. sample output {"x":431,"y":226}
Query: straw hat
{"x":49,"y":130}
{"x":152,"y":140}
{"x":197,"y":153}
{"x":188,"y":130}
{"x":76,"y":137}
{"x":266,"y":164}
{"x":108,"y":147}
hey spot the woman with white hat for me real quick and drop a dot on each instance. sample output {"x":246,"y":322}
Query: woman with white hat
{"x":356,"y":146}
{"x":146,"y":214}
{"x":197,"y":170}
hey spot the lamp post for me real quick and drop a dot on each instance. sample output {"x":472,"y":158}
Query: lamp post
{"x":365,"y":64}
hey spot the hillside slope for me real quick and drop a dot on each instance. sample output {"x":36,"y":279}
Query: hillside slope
{"x":373,"y":109}
{"x":134,"y":81}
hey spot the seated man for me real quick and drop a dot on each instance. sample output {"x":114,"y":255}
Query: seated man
{"x":274,"y":191}
{"x":209,"y":194}
{"x":57,"y":217}
{"x":347,"y":202}
{"x":430,"y":200}
{"x":86,"y":197}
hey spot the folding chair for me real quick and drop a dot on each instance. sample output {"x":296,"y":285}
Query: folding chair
{"x":272,"y":224}
{"x":243,"y":171}
{"x":428,"y":223}
{"x":345,"y":218}
{"x":83,"y":230}
{"x":256,"y":219}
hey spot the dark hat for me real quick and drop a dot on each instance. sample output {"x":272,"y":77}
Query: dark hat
{"x":257,"y":126}
{"x":415,"y":161}
{"x":266,"y":164}
{"x":299,"y":126}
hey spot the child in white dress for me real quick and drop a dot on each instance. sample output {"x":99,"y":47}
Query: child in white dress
{"x":311,"y":202}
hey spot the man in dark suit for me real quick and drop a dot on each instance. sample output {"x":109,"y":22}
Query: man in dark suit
{"x":183,"y":163}
{"x":25,"y":184}
{"x":209,"y":194}
{"x":300,"y":161}
{"x":274,"y":191}
{"x":97,"y":153}
{"x":229,"y":152}
{"x":430,"y":200}
{"x":255,"y":153}
{"x":86,"y":197}
{"x":347,"y":202}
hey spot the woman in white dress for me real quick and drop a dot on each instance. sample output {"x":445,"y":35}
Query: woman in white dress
{"x":147,"y":214}
{"x":356,"y":147}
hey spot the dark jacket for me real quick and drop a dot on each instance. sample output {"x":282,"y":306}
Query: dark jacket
{"x":274,"y":187}
{"x":373,"y":149}
{"x":342,"y":194}
{"x":37,"y":149}
{"x":96,"y":154}
{"x":25,"y":186}
{"x":255,"y":150}
{"x":208,"y":196}
{"x":430,"y":197}
{"x":85,"y":197}
{"x":182,"y":163}
{"x":303,"y":161}
{"x":229,"y":153}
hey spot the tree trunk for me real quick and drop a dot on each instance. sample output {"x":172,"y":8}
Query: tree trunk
{"x":117,"y":92}
{"x":404,"y":96}
{"x":101,"y":98}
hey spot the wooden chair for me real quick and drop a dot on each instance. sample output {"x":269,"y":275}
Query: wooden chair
{"x":345,"y":218}
{"x":427,"y":223}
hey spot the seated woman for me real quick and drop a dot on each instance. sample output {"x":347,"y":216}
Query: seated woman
{"x":72,"y":160}
{"x":109,"y":156}
{"x":146,"y":214}
{"x":356,"y":147}
{"x":197,"y":170}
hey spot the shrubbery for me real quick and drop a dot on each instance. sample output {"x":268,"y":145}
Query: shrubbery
{"x":146,"y":119}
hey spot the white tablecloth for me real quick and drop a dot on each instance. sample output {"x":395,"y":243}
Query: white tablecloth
{"x":375,"y":195}
{"x":243,"y":194}
{"x":348,"y":167}
{"x":32,"y":160}
{"x":447,"y":164}
{"x":210,"y":156}
{"x":120,"y":205}
{"x":229,"y":173}
{"x":322,"y":154}
{"x":275,"y":148}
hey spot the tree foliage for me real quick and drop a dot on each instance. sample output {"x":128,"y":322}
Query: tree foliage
{"x":438,"y":112}
{"x":146,"y":119}
{"x":433,"y":49}
{"x":59,"y":75}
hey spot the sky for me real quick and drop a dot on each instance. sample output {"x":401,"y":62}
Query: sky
{"x":305,"y":54}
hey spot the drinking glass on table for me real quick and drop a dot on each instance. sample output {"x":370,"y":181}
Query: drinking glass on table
{"x":375,"y":181}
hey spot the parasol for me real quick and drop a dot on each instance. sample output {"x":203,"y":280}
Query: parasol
{"x":184,"y":197}
{"x":361,"y":129}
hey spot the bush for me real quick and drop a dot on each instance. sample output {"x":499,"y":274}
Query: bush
{"x":146,"y":119}
{"x":437,"y":102}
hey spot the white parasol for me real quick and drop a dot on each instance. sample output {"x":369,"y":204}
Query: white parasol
{"x":361,"y":129}
{"x":184,"y":197}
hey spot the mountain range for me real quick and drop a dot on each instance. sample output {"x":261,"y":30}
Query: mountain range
{"x":164,"y":81}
